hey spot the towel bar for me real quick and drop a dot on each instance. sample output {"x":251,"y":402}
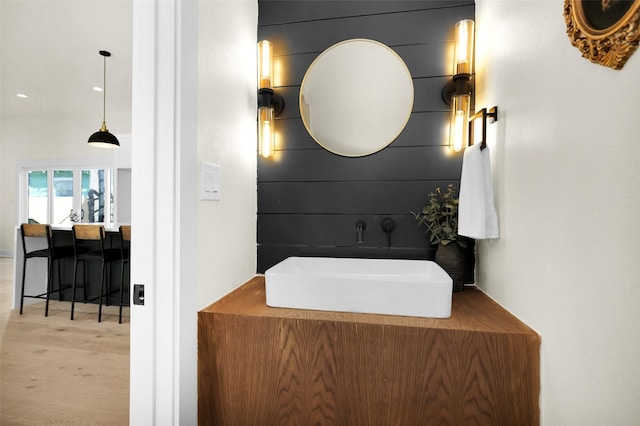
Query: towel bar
{"x":493,"y":114}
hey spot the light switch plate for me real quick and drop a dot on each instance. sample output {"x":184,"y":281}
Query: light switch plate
{"x":210,"y":182}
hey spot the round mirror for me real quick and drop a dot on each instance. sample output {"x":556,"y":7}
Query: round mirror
{"x":356,"y":97}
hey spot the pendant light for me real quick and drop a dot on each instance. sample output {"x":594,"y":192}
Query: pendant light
{"x":102,"y":138}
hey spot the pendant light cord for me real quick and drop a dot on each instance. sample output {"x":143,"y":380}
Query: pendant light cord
{"x":104,"y":91}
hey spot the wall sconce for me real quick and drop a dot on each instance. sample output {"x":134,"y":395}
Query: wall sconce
{"x":457,"y":92}
{"x":270,"y":104}
{"x":493,"y":114}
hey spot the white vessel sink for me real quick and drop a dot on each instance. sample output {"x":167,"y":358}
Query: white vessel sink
{"x":376,"y":286}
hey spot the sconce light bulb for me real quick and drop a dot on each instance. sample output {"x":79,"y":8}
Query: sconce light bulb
{"x":464,"y":41}
{"x":459,"y":130}
{"x":266,"y":132}
{"x":265,"y":64}
{"x":266,"y":146}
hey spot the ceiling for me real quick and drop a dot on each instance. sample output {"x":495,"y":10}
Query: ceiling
{"x":49,"y":51}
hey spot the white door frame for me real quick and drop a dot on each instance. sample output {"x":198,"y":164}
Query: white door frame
{"x":163,"y":386}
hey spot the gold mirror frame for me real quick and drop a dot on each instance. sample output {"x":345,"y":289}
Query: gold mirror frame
{"x":356,"y":97}
{"x":611,"y":46}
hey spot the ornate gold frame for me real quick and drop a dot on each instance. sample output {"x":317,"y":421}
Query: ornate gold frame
{"x":611,"y":46}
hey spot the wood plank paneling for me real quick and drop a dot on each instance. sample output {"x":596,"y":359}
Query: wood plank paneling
{"x":423,"y":128}
{"x":301,"y":367}
{"x":399,"y":164}
{"x":338,"y":230}
{"x":308,"y":198}
{"x":282,"y":12}
{"x":392,"y":29}
{"x":419,"y":58}
{"x":366,"y":197}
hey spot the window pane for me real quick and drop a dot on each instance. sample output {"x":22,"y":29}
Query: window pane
{"x":38,"y":196}
{"x":95,"y":204}
{"x":63,"y":198}
{"x":111,"y":203}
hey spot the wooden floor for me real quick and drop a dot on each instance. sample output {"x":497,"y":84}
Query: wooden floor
{"x":56,"y":371}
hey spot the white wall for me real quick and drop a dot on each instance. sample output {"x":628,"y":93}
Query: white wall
{"x":226,"y":245}
{"x":565,"y":158}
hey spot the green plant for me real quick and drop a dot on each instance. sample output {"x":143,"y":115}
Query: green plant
{"x":440,"y":216}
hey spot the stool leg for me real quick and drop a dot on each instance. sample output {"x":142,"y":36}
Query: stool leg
{"x":108,"y":278}
{"x":102,"y":279}
{"x":60,"y":292}
{"x":73,"y":286}
{"x":49,"y":284}
{"x":24,"y":273}
{"x":84,"y":282}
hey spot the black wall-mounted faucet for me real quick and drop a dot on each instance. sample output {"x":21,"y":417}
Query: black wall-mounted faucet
{"x":388,"y":225}
{"x":361,"y":225}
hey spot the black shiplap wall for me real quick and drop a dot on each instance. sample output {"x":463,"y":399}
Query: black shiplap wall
{"x":309,"y":199}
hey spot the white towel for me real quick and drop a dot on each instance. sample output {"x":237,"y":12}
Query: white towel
{"x":477,"y":216}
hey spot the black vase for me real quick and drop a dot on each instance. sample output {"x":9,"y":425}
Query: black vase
{"x":452,"y":259}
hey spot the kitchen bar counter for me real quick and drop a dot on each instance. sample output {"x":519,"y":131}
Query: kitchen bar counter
{"x":36,"y":280}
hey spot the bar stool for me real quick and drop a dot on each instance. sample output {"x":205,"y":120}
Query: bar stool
{"x":125,"y":248}
{"x":97,"y":253}
{"x":52,"y":253}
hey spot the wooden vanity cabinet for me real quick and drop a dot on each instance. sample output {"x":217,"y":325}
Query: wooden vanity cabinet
{"x":270,"y":366}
